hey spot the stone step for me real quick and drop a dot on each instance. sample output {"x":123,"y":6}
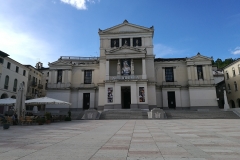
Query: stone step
{"x":124,"y":114}
{"x":201,"y":114}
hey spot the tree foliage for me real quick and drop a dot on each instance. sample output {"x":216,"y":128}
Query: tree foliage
{"x":221,"y":64}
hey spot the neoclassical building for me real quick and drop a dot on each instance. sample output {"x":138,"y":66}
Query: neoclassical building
{"x":127,"y":75}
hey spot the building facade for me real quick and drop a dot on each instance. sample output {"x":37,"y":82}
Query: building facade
{"x":127,"y":75}
{"x":13,"y":73}
{"x":232,"y":80}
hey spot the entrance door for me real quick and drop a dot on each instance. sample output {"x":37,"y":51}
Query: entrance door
{"x":126,"y":97}
{"x":171,"y":100}
{"x":86,"y":101}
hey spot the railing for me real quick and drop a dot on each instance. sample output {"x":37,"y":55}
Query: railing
{"x":59,"y":85}
{"x":34,"y":84}
{"x":170,"y":83}
{"x":82,"y":85}
{"x":79,"y":58}
{"x":130,"y":77}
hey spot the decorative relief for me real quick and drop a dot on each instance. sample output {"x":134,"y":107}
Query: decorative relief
{"x":126,"y":69}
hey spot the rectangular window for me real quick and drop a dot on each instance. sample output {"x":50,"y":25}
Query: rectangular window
{"x":17,"y":68}
{"x":169,"y":74}
{"x":8,"y":65}
{"x":126,"y":42}
{"x":137,"y":41}
{"x":235,"y":86}
{"x":87,"y":76}
{"x":1,"y":60}
{"x":227,"y":75}
{"x":114,"y":43}
{"x":234,"y":74}
{"x":24,"y":72}
{"x":59,"y":76}
{"x":200,"y":71}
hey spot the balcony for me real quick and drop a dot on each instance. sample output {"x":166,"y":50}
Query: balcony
{"x":58,"y":85}
{"x":34,"y":84}
{"x":40,"y":86}
{"x":82,"y":85}
{"x":130,"y":77}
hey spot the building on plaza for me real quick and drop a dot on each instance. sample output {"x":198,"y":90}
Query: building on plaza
{"x":232,"y":79}
{"x":127,"y":75}
{"x":36,"y":86}
{"x":12,"y":74}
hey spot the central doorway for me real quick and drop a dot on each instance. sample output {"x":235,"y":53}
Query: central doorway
{"x":126,"y":97}
{"x":171,"y":100}
{"x":86,"y":101}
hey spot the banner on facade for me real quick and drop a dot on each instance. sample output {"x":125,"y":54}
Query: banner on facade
{"x":141,"y":94}
{"x":110,"y":95}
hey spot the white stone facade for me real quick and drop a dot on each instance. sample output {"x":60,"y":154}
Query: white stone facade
{"x":232,"y":81}
{"x":128,"y":76}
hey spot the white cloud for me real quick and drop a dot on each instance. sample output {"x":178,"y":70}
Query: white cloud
{"x":162,"y":51}
{"x":79,"y":4}
{"x":23,"y":47}
{"x":236,"y":51}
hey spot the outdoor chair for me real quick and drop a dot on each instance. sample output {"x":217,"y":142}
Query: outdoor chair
{"x":22,"y":120}
{"x":29,"y":120}
{"x":9,"y":120}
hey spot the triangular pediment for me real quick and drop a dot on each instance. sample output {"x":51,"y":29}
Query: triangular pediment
{"x":199,"y":57}
{"x":126,"y":27}
{"x":60,"y":63}
{"x":126,"y":49}
{"x":199,"y":60}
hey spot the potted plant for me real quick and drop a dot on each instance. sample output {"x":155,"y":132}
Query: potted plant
{"x":68,"y":118}
{"x":6,"y":125}
{"x":41,"y":120}
{"x":48,"y":117}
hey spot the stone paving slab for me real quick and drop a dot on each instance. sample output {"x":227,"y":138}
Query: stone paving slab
{"x":201,"y":139}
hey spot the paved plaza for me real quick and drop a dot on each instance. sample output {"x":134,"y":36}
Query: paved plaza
{"x":199,"y":139}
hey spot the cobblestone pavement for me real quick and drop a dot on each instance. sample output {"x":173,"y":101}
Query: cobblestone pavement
{"x":202,"y":139}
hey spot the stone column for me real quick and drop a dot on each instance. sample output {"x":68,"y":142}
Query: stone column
{"x":132,"y":67}
{"x":55,"y":76}
{"x":210,"y":72}
{"x":204,"y":73}
{"x":63,"y":76}
{"x":144,"y":76}
{"x":131,"y":42}
{"x":107,"y":69}
{"x":189,"y":74}
{"x":163,"y":74}
{"x":174,"y":74}
{"x":120,"y":42}
{"x":195,"y":72}
{"x":118,"y":68}
{"x":50,"y":77}
{"x":134,"y":99}
{"x":69,"y":73}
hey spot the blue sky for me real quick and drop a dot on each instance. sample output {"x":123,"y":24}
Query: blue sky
{"x":44,"y":30}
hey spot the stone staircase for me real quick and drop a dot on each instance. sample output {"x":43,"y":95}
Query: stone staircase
{"x":211,"y":114}
{"x":124,"y":114}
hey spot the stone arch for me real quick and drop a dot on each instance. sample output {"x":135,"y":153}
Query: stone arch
{"x":4,"y":95}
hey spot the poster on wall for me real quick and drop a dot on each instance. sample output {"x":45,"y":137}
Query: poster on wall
{"x":141,"y":94}
{"x":110,"y":95}
{"x":126,"y":67}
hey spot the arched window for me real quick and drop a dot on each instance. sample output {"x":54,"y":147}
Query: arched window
{"x":234,"y":73}
{"x":6,"y":82}
{"x":229,"y":88}
{"x":235,"y":86}
{"x":15,"y":85}
{"x":24,"y":72}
